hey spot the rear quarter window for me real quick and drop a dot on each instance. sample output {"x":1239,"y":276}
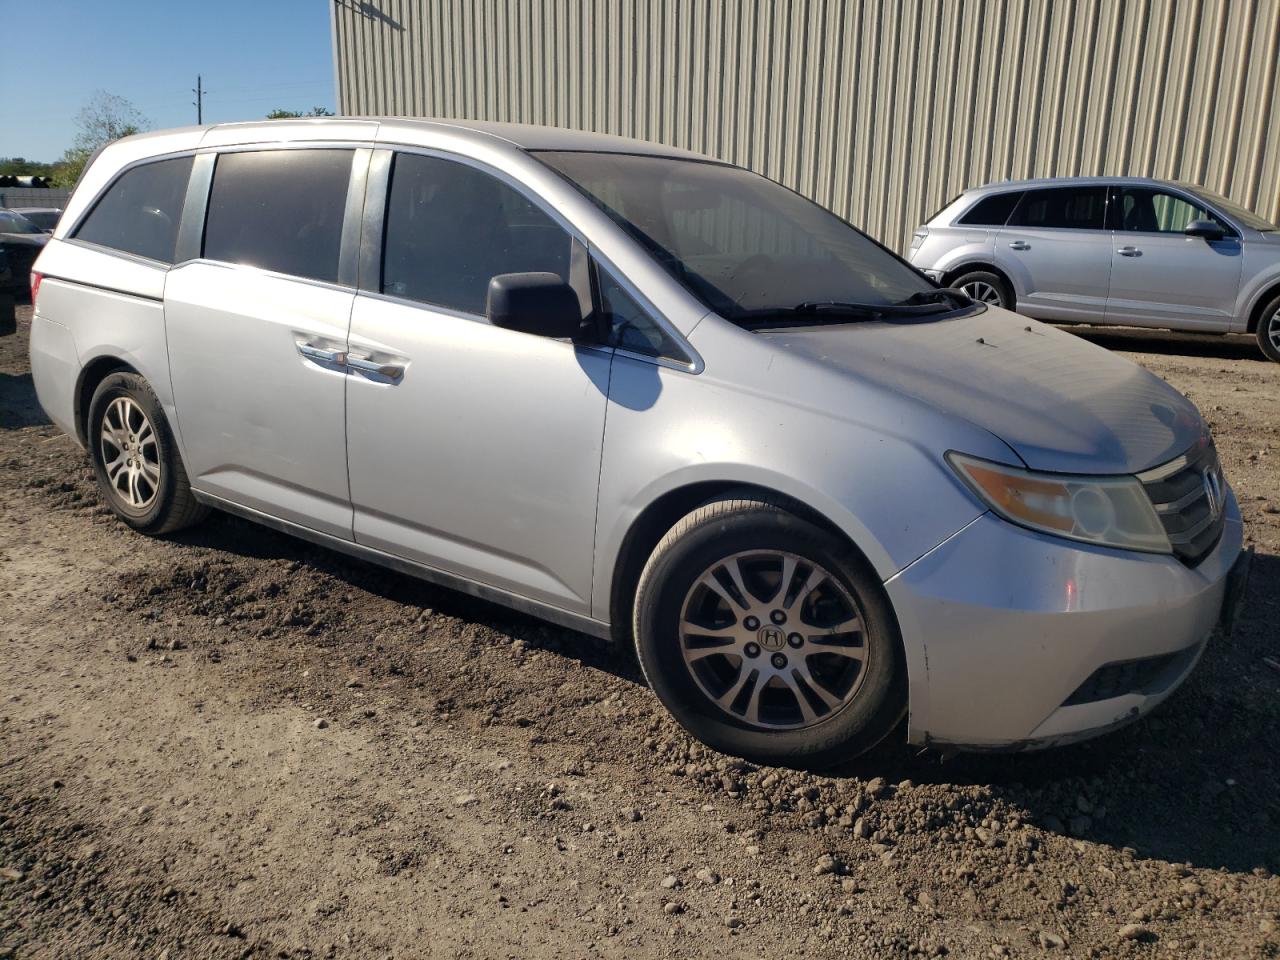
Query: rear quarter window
{"x":991,"y":211}
{"x":141,"y":210}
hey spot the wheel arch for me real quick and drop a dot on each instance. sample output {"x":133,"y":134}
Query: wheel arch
{"x":950,"y":276}
{"x":1263,"y":300}
{"x":94,"y":372}
{"x":664,"y":512}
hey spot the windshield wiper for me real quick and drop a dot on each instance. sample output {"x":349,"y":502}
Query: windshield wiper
{"x":956,"y":298}
{"x":839,"y":311}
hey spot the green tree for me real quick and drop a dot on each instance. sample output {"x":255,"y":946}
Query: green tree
{"x":105,"y":118}
{"x":22,"y":167}
{"x":279,"y":114}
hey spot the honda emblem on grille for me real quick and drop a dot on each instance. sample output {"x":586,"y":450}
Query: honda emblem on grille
{"x":1213,"y":491}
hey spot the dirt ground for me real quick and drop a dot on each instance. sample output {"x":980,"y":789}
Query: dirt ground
{"x":234,"y":744}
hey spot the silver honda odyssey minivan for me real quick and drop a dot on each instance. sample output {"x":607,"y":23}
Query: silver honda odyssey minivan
{"x":648,"y":396}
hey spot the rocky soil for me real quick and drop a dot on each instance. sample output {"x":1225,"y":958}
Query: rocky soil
{"x":233,"y":744}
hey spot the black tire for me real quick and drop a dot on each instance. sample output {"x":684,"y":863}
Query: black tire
{"x":982,"y":280}
{"x":727,"y":527}
{"x":1268,"y":332}
{"x":171,"y":505}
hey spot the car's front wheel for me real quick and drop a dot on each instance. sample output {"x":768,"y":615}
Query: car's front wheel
{"x":985,"y":287}
{"x":768,"y":637}
{"x":135,"y":458}
{"x":1268,"y":331}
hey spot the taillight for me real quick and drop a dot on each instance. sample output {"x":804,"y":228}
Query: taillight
{"x":917,"y":238}
{"x":35,"y":286}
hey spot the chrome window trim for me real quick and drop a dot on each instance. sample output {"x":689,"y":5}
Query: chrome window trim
{"x":264,"y":272}
{"x":122,"y":254}
{"x":375,"y":213}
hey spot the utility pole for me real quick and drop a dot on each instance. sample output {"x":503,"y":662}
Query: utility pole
{"x":199,"y":101}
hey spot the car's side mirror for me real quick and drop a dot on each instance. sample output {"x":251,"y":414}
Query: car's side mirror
{"x":538,"y":303}
{"x":1205,"y":229}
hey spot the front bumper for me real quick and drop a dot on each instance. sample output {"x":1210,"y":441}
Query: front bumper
{"x":1019,"y":640}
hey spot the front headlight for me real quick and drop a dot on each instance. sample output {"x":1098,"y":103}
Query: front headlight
{"x":1111,"y":511}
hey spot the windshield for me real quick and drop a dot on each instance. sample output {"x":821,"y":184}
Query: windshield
{"x":1235,"y":211}
{"x":744,"y":245}
{"x":13,"y":223}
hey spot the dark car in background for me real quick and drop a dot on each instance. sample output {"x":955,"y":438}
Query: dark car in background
{"x":46,"y":218}
{"x":22,"y":241}
{"x":8,"y":319}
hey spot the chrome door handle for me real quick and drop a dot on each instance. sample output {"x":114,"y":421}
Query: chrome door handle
{"x":321,"y":355}
{"x":1129,"y":252}
{"x":1019,"y":245}
{"x":389,"y":371}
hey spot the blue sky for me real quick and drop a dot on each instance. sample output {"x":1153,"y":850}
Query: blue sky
{"x":254,"y":56}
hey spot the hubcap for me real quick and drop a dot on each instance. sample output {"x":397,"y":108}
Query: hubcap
{"x":1273,"y":330}
{"x":809,"y":670}
{"x":129,"y":453}
{"x":982,"y":291}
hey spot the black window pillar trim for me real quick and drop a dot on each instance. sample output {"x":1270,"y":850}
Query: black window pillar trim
{"x":190,"y":244}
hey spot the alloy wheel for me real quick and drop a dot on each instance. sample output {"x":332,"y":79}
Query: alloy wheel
{"x":773,"y":640}
{"x":130,"y":456}
{"x":1273,"y":330}
{"x":982,"y":291}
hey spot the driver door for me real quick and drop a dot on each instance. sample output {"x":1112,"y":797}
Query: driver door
{"x":473,"y":449}
{"x":1160,"y":277}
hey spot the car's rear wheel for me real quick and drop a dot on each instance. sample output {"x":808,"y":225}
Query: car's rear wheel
{"x":1268,"y":332}
{"x":136,"y":460}
{"x":768,"y":637}
{"x":985,"y":287}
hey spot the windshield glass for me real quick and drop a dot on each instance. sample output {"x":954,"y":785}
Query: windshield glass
{"x":742,"y":244}
{"x":13,"y":223}
{"x":1235,"y":211}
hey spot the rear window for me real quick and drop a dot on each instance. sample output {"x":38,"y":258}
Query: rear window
{"x":1071,"y":208}
{"x":140,"y":212}
{"x":992,"y":211}
{"x":279,"y":210}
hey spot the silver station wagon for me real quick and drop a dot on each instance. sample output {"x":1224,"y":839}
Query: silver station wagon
{"x":1122,"y":251}
{"x":647,"y":396}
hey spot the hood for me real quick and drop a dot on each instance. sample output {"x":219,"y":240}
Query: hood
{"x":1061,"y":403}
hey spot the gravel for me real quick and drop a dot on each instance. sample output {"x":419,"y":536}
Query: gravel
{"x":604,"y":829}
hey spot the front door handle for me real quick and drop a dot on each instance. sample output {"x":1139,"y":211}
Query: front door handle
{"x":375,"y":370}
{"x":1129,"y":252}
{"x":1019,"y":245}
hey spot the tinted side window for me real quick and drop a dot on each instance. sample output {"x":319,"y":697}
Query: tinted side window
{"x":452,"y":228}
{"x":1154,"y":211}
{"x":630,"y":325}
{"x":1075,"y":208}
{"x":140,"y":212}
{"x":992,"y":211}
{"x":279,"y":210}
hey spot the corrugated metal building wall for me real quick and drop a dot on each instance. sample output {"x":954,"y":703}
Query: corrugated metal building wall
{"x":881,"y":110}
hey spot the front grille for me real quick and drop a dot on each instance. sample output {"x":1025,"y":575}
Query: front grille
{"x":1189,"y":495}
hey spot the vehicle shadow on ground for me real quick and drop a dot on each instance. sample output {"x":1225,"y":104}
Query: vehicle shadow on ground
{"x":244,"y":538}
{"x":18,"y":405}
{"x":1168,"y":343}
{"x":1161,"y":786}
